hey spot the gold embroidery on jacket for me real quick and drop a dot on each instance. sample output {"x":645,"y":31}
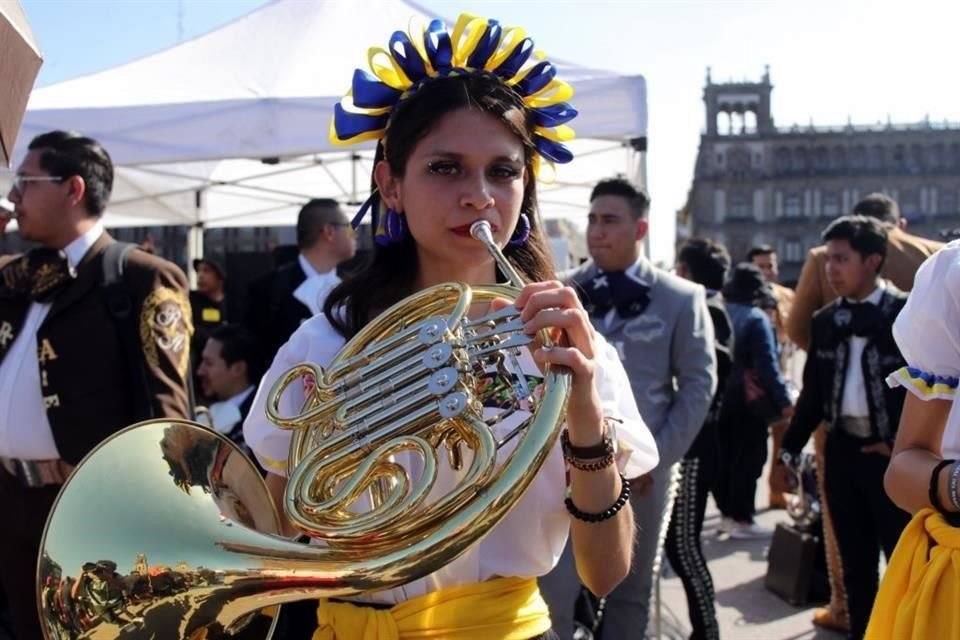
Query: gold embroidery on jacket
{"x":47,"y":354}
{"x":6,"y":334}
{"x":165,"y":326}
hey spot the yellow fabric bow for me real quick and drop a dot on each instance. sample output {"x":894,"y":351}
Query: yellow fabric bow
{"x":503,"y":608}
{"x":920,"y":592}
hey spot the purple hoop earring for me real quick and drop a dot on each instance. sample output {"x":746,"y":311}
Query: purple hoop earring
{"x":522,"y":230}
{"x":393,"y":228}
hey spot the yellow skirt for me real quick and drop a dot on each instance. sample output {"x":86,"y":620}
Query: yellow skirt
{"x":503,"y":608}
{"x":919,"y":598}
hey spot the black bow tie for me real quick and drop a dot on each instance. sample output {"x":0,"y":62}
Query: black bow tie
{"x":861,"y":319}
{"x":38,"y":275}
{"x":614,"y":290}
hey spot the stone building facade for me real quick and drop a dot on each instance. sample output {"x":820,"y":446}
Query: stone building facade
{"x":755,"y":183}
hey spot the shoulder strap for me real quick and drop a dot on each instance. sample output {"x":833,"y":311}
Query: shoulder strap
{"x":119,"y":300}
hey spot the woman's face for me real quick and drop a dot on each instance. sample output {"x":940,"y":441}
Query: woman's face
{"x":469,"y":167}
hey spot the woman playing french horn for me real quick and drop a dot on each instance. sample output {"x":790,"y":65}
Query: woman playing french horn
{"x":464,"y":121}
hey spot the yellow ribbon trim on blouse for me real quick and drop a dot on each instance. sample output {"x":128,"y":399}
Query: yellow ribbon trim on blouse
{"x":502,"y":608}
{"x":920,"y":592}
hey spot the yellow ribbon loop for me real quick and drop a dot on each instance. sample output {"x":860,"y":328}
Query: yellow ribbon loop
{"x":471,"y":26}
{"x":503,"y":608}
{"x":510,"y":38}
{"x":392,"y":75}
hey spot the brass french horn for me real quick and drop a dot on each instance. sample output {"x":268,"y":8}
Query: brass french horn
{"x":181,"y":504}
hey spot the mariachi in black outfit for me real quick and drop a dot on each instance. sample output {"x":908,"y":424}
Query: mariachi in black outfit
{"x":865,"y":519}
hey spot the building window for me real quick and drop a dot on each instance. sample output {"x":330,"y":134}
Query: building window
{"x":719,"y":159}
{"x":739,"y":206}
{"x":821,"y":159}
{"x":859,"y":158}
{"x":800,"y":159}
{"x":793,"y":205}
{"x":876,"y":157}
{"x":793,"y":251}
{"x":838,"y":159}
{"x":830,"y":206}
{"x":782,"y":161}
{"x":947,"y":201}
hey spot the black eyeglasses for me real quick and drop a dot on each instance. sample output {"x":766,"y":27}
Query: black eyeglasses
{"x":20,"y":182}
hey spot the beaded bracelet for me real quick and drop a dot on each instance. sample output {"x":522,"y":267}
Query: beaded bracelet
{"x":598,"y":457}
{"x":615,"y":508}
{"x":954,"y":484}
{"x":933,"y":491}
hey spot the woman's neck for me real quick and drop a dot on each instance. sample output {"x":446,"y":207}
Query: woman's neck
{"x":433,"y":273}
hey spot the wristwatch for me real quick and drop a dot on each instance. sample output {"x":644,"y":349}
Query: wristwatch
{"x":792,"y":460}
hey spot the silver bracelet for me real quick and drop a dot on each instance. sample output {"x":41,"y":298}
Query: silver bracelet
{"x":954,"y":485}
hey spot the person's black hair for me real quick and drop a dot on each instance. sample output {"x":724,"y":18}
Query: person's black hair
{"x":65,"y":154}
{"x":706,"y":261}
{"x":638,"y":200}
{"x":748,"y":286}
{"x":314,"y":216}
{"x":867,"y":236}
{"x":390,"y":273}
{"x":879,"y":206}
{"x":238,"y":344}
{"x":760,"y":250}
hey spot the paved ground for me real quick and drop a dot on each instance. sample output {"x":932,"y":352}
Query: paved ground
{"x":746,"y":610}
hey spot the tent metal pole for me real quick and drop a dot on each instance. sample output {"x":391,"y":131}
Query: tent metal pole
{"x":195,"y":239}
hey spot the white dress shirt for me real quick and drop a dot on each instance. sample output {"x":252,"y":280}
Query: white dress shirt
{"x":313,"y":291}
{"x":226,"y":413}
{"x":854,"y":402}
{"x":25,"y":432}
{"x":530,"y":538}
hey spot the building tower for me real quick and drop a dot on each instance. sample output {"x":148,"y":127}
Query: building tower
{"x":739,"y":108}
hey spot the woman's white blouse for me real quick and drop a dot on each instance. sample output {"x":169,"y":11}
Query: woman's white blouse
{"x":928,"y":334}
{"x":530,"y":539}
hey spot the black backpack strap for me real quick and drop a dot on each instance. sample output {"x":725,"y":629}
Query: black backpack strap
{"x":119,"y":300}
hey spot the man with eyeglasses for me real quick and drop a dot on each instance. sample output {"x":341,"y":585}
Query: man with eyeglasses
{"x":279,"y":302}
{"x":68,"y":378}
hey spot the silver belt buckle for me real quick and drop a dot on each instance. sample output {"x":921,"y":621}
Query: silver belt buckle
{"x":27,"y":472}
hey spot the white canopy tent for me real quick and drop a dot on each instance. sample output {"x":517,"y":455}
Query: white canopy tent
{"x":230,"y":129}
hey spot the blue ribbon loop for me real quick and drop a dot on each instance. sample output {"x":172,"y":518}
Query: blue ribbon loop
{"x":370,"y":93}
{"x":517,"y":58}
{"x":409,"y":60}
{"x":553,"y":151}
{"x":486,"y":46}
{"x":349,"y":125}
{"x":554,"y":115}
{"x":538,"y":78}
{"x":438,"y":45}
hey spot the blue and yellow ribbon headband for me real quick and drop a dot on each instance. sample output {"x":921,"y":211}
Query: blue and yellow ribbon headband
{"x":476,"y":45}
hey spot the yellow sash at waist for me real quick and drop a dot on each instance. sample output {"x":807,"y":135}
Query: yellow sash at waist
{"x":502,"y":608}
{"x":920,"y":592}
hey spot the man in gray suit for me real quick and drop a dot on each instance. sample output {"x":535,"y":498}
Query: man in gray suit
{"x":661,"y":327}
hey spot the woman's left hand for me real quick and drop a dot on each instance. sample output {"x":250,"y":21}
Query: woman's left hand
{"x":551,"y":305}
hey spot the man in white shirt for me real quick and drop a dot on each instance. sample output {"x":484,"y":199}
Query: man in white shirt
{"x":851,"y":352}
{"x":71,"y":371}
{"x":280,"y":301}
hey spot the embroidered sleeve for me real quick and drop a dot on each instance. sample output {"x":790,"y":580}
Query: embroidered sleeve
{"x":165,"y":329}
{"x":928,"y":329}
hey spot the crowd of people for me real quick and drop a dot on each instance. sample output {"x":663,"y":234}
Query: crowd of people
{"x":680,"y":378}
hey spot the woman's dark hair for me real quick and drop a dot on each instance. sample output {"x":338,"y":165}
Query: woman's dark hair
{"x":389,"y":275}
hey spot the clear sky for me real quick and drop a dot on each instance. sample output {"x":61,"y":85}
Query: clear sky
{"x":829,"y":60}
